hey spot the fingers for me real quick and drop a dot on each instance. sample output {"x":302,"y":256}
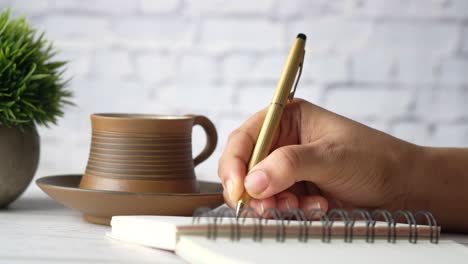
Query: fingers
{"x":261,"y":206}
{"x":312,"y":205}
{"x":233,"y":163}
{"x":281,"y":169}
{"x":286,"y":201}
{"x":233,"y":179}
{"x":283,"y":201}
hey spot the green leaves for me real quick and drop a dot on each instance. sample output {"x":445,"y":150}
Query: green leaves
{"x":32,"y":88}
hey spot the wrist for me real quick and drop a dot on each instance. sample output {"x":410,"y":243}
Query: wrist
{"x":406,"y":169}
{"x":418,"y":179}
{"x":439,"y":186}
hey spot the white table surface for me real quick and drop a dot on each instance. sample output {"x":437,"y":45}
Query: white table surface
{"x":36,"y":229}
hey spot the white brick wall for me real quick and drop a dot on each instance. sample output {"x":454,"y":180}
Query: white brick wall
{"x":369,"y":102}
{"x":399,"y":66}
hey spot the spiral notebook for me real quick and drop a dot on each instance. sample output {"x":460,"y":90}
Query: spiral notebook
{"x":220,"y":239}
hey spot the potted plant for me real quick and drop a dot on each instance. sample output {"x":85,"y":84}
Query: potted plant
{"x":32,"y":92}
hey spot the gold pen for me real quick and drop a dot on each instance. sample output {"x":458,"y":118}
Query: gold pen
{"x":283,"y":94}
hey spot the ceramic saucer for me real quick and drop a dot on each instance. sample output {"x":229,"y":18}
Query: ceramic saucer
{"x":99,"y":206}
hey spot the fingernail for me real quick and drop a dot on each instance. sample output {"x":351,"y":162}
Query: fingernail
{"x":313,"y":206}
{"x":283,"y":203}
{"x":229,"y":186}
{"x":257,"y":206}
{"x":256,"y":182}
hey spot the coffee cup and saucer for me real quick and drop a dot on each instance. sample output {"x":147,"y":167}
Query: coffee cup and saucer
{"x":139,"y":165}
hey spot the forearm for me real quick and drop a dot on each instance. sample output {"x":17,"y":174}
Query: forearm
{"x":440,"y":184}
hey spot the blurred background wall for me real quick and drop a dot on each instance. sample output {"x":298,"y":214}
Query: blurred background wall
{"x":398,"y":66}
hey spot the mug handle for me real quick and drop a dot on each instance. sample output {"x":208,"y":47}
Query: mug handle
{"x":211,"y":138}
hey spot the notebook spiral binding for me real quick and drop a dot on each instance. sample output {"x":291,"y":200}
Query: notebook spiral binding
{"x":214,"y":218}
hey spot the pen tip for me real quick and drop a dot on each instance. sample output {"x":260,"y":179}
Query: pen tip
{"x":240,"y":205}
{"x":302,"y":36}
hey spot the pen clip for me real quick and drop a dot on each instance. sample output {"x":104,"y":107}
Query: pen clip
{"x":298,"y":76}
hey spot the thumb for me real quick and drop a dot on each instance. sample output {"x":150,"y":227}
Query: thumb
{"x":281,"y":169}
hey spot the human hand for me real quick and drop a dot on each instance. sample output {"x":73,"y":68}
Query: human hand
{"x":319,"y":160}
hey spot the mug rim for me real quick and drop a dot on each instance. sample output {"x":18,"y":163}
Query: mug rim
{"x":139,"y":116}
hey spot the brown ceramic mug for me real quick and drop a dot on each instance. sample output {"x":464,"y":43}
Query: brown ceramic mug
{"x":145,"y":153}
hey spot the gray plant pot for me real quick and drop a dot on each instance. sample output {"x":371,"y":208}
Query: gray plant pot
{"x":19,"y":157}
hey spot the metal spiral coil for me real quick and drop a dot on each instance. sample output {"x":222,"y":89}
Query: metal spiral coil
{"x":214,"y":219}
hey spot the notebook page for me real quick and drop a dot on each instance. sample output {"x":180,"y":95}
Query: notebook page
{"x":202,"y":250}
